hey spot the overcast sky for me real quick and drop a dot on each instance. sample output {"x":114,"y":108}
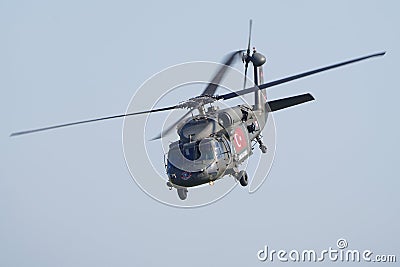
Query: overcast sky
{"x":67,"y":197}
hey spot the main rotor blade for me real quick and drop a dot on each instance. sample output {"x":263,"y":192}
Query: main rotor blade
{"x":295,"y":77}
{"x":287,"y":102}
{"x":93,"y":120}
{"x":216,"y":80}
{"x":209,"y":91}
{"x":171,"y":127}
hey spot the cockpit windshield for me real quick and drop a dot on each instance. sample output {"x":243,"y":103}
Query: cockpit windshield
{"x":190,"y":154}
{"x":203,"y":150}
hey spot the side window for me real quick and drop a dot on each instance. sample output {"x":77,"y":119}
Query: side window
{"x":223,"y":150}
{"x":226,"y":148}
{"x":219,"y":150}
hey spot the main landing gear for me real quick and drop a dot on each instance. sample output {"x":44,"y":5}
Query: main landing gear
{"x":242,"y":177}
{"x":182,"y":192}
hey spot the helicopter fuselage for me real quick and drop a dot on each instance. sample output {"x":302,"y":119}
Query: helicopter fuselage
{"x":213,"y":145}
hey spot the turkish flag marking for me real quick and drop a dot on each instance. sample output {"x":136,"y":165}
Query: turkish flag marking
{"x":239,"y":139}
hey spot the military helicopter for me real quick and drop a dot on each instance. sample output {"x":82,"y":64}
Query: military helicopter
{"x":215,"y":142}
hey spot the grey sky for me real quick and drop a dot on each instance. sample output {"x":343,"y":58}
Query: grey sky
{"x":66,"y":196}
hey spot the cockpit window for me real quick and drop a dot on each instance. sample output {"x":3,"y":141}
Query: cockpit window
{"x":191,"y":151}
{"x":207,"y":152}
{"x":194,"y":156}
{"x":220,"y":151}
{"x":222,"y":148}
{"x":198,"y":150}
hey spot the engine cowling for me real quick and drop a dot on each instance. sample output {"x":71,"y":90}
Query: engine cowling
{"x":229,"y":117}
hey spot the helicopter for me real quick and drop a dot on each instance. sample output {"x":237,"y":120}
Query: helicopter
{"x":215,"y":142}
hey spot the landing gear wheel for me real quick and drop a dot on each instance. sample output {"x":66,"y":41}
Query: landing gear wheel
{"x":243,"y":178}
{"x":182,"y":193}
{"x":263,"y":149}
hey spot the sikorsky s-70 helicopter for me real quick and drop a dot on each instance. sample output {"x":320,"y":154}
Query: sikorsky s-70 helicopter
{"x":215,"y":142}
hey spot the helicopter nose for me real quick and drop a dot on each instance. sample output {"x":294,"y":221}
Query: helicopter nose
{"x":187,"y":178}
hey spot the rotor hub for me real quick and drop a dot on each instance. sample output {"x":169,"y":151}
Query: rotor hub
{"x":197,"y":102}
{"x":258,"y":59}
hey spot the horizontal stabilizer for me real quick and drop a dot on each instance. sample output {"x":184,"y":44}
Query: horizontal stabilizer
{"x":287,"y":102}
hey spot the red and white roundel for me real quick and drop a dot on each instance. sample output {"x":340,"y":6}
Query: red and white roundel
{"x":185,"y":175}
{"x":239,"y":140}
